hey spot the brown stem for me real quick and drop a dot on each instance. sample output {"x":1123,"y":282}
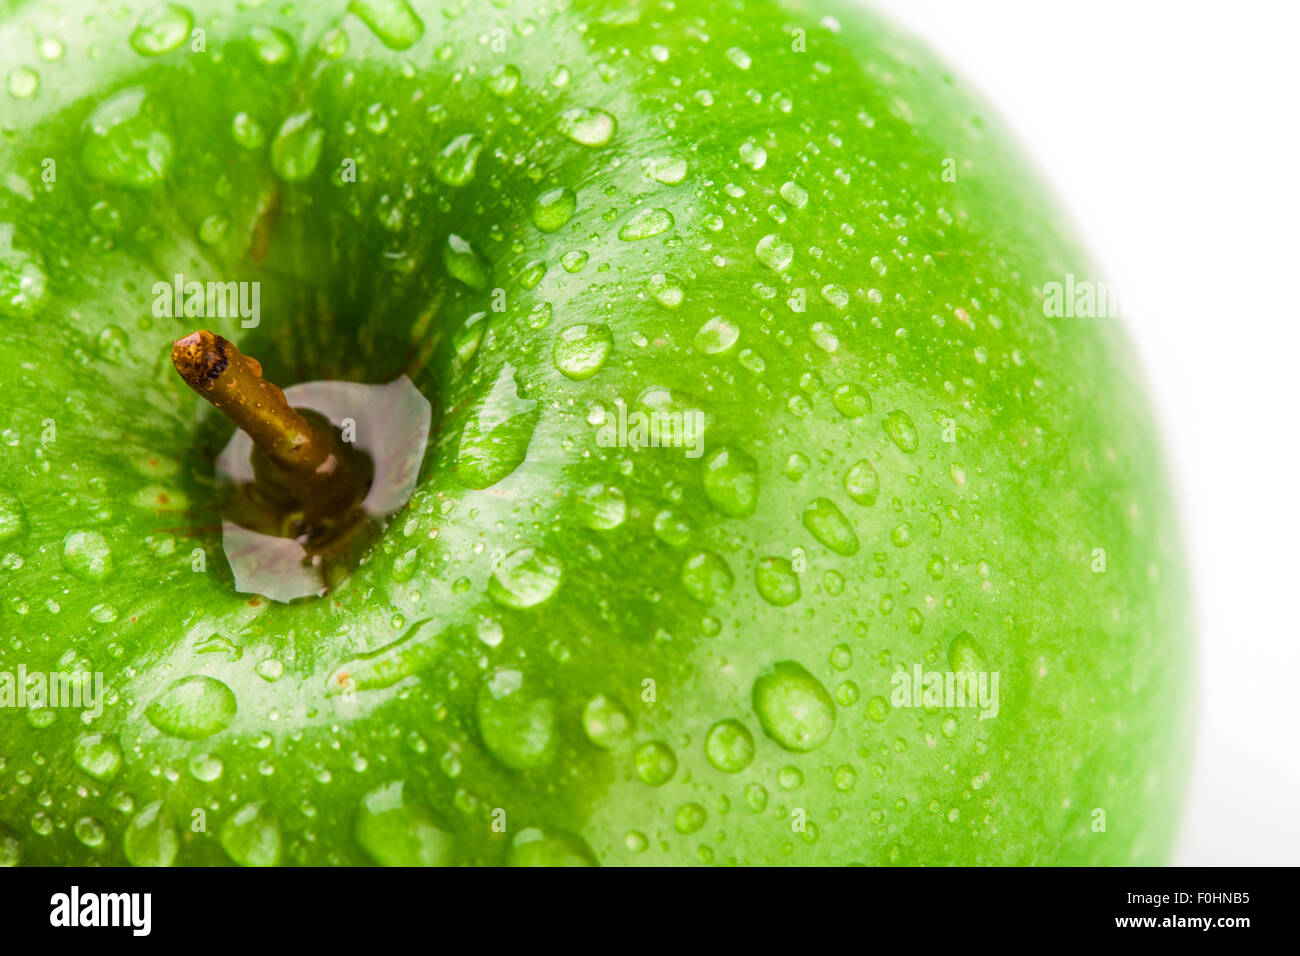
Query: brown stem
{"x":231,"y":381}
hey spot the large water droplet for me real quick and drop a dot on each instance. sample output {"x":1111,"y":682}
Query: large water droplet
{"x":99,"y":755}
{"x":965,"y":654}
{"x":731,"y":481}
{"x":862,"y":483}
{"x":393,"y":21}
{"x":899,"y":427}
{"x":251,"y":837}
{"x":125,"y":142}
{"x":645,"y":224}
{"x":397,"y":831}
{"x":827,"y":524}
{"x":667,"y":290}
{"x":22,"y":281}
{"x":525,"y":578}
{"x":794,"y":708}
{"x":851,"y":401}
{"x":516,"y":725}
{"x":553,"y":208}
{"x":776,"y":581}
{"x":717,"y":335}
{"x":606,"y":722}
{"x":458,"y":161}
{"x":297,"y":147}
{"x":13,"y":518}
{"x":655,"y":763}
{"x":150,"y":838}
{"x":587,"y":127}
{"x":497,"y":434}
{"x":729,"y":746}
{"x":464,"y":262}
{"x":161,"y":29}
{"x":193,"y":708}
{"x":774,"y":252}
{"x":581,"y":350}
{"x":706,"y":577}
{"x":602,"y":507}
{"x":534,"y":847}
{"x":87,"y":555}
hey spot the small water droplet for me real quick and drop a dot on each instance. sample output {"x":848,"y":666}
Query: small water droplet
{"x":602,"y":507}
{"x":606,"y":722}
{"x":899,"y":427}
{"x":87,"y":555}
{"x":553,"y":208}
{"x":667,"y":290}
{"x":161,"y":29}
{"x":517,"y":725}
{"x":534,"y":847}
{"x":251,"y":836}
{"x":862,"y":483}
{"x":465,"y":263}
{"x":731,"y":481}
{"x":395,"y":830}
{"x":729,"y":746}
{"x":581,"y":350}
{"x":297,"y":147}
{"x":827,"y":524}
{"x":774,"y":252}
{"x":457,"y":163}
{"x":525,"y":578}
{"x":125,"y":142}
{"x":193,"y":708}
{"x":777,"y":582}
{"x":150,"y":838}
{"x":393,"y":21}
{"x":655,"y":763}
{"x":99,"y":755}
{"x":706,"y":577}
{"x":717,"y":335}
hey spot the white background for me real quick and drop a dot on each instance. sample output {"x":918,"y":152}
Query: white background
{"x":1169,"y":130}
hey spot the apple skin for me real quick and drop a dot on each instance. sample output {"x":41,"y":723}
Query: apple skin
{"x":456,"y":699}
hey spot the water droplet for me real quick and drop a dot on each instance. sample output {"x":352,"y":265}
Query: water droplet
{"x":395,"y":830}
{"x":99,"y":755}
{"x":539,"y":316}
{"x":13,"y":518}
{"x":739,"y":57}
{"x":193,"y":708}
{"x":965,"y":654}
{"x":794,"y":708}
{"x":794,"y":194}
{"x":89,"y":832}
{"x":729,"y":746}
{"x":246,"y":131}
{"x":150,"y":838}
{"x":673,"y":528}
{"x":456,"y":164}
{"x":774,"y":252}
{"x":899,"y":427}
{"x":464,"y":262}
{"x":851,"y":401}
{"x":581,"y":350}
{"x":706,"y":577}
{"x":776,"y":581}
{"x":666,"y":289}
{"x":334,"y":44}
{"x":587,"y":127}
{"x":534,"y":847}
{"x":645,"y":224}
{"x":161,"y":29}
{"x":717,"y":335}
{"x":22,"y":278}
{"x":731,"y":481}
{"x":124,"y":141}
{"x":575,"y":260}
{"x":23,"y":82}
{"x":553,"y":208}
{"x":297,"y":147}
{"x":878,"y":709}
{"x":655,"y":763}
{"x":272,"y":46}
{"x":393,"y":21}
{"x":827,"y":524}
{"x":532,"y":273}
{"x":504,"y":80}
{"x":845,"y":778}
{"x":606,"y":722}
{"x":497,"y":434}
{"x":251,"y":837}
{"x":10,"y":848}
{"x":525,"y":578}
{"x":634,"y":840}
{"x":602,"y":507}
{"x":50,"y":49}
{"x":206,"y":767}
{"x":517,"y":725}
{"x":87,"y":555}
{"x":669,"y":170}
{"x":862,"y":483}
{"x":752,"y":155}
{"x":690,"y":818}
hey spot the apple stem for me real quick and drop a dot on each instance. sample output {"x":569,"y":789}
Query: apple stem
{"x":233,"y":383}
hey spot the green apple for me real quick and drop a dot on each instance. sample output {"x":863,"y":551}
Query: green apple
{"x":749,"y":425}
